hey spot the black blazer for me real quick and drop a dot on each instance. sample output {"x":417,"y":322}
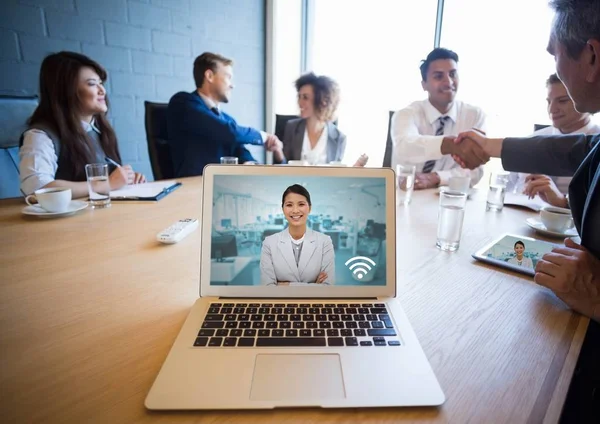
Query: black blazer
{"x":575,"y":155}
{"x":294,"y":138}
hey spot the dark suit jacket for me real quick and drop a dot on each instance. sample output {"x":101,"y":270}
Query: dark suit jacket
{"x":294,"y":137}
{"x":198,"y":136}
{"x":575,"y":155}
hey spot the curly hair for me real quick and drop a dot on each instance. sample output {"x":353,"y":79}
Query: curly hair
{"x":326,"y":94}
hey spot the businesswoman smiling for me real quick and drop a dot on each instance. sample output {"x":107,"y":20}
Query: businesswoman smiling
{"x":297,"y":254}
{"x":69,"y":128}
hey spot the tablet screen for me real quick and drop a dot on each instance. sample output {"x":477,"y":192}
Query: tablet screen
{"x":515,"y":252}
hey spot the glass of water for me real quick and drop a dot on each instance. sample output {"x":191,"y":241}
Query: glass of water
{"x":229,"y":160}
{"x":450,"y":219}
{"x":495,"y":198}
{"x":98,"y":184}
{"x":405,"y":184}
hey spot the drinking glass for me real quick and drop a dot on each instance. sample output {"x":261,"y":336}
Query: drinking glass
{"x":405,"y":183}
{"x":229,"y":160}
{"x":98,"y":184}
{"x":495,"y":198}
{"x":450,"y":219}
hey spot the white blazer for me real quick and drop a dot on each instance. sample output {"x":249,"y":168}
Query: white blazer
{"x":277,"y":262}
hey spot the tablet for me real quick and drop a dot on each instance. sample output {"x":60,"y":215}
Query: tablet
{"x":517,"y":253}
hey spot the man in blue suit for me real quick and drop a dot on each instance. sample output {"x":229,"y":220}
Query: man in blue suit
{"x":199,"y":132}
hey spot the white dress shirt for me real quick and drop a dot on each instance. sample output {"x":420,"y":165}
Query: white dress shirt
{"x":38,"y":159}
{"x":318,"y":154}
{"x":516,"y":180}
{"x":413,"y":136}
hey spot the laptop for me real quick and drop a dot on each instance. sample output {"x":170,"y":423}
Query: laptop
{"x":274,"y":328}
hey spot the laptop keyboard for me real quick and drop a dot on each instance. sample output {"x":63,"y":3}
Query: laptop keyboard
{"x":297,"y":325}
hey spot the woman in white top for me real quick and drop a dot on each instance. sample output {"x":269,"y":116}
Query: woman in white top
{"x":69,"y":128}
{"x":314,"y":138}
{"x":565,"y":120}
{"x":519,"y":259}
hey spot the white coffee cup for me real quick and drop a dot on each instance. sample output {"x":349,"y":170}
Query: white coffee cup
{"x":54,"y":199}
{"x":556,"y":219}
{"x":461,"y":184}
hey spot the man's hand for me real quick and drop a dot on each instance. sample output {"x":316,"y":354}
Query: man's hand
{"x":470,"y":152}
{"x":273,"y":144}
{"x":424,"y":181}
{"x":543,"y":186}
{"x":573,"y":274}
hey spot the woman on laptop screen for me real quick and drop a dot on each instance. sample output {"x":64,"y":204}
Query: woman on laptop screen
{"x":297,"y":254}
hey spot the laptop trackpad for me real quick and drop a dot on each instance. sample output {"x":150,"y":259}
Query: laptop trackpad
{"x":293,"y":377}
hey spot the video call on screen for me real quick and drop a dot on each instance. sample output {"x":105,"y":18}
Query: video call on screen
{"x":349,"y":211}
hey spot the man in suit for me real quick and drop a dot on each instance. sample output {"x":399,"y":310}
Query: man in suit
{"x":572,"y":271}
{"x":199,"y":131}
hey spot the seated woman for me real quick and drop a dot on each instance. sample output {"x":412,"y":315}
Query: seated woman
{"x":69,"y":128}
{"x":313,"y":137}
{"x":565,"y":120}
{"x":297,"y":254}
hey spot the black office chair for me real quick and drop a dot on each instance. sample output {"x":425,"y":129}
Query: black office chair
{"x":282,"y":120}
{"x":389,"y":146}
{"x":537,"y":127}
{"x":14,"y":112}
{"x":158,"y":140}
{"x":280,"y":123}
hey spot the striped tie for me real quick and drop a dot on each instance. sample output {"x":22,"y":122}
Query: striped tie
{"x":440,"y":131}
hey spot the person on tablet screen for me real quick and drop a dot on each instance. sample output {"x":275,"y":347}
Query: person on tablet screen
{"x":297,"y":254}
{"x":519,"y":259}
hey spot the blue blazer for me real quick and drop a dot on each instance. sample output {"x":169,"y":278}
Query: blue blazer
{"x":198,"y":136}
{"x":277,"y":262}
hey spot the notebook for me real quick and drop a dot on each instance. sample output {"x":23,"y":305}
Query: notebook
{"x":297,"y":301}
{"x":145,"y":192}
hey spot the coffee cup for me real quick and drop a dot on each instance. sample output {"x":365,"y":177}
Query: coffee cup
{"x":556,"y":219}
{"x":54,"y":199}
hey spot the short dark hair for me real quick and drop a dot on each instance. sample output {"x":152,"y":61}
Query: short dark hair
{"x":297,"y":189}
{"x":553,"y":79}
{"x":436,"y":54}
{"x":326,"y":91}
{"x":519,"y":242}
{"x":575,"y":22}
{"x":205,"y":62}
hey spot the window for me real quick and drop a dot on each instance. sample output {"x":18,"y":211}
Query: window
{"x":373,"y":50}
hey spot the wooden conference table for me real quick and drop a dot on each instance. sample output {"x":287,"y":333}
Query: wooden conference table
{"x":90,"y":305}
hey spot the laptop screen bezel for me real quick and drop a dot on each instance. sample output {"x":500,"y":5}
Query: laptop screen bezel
{"x":321,"y":291}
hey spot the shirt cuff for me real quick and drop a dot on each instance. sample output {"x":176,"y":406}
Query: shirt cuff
{"x":433,"y":147}
{"x":34,"y":182}
{"x":263,"y":135}
{"x":444,"y":176}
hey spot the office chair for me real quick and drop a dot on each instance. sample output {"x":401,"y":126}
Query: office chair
{"x":158,"y":140}
{"x":389,"y":146}
{"x":14,"y":112}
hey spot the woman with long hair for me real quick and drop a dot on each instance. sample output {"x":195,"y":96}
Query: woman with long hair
{"x":69,"y":128}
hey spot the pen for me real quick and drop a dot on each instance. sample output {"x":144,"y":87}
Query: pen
{"x":112,"y":162}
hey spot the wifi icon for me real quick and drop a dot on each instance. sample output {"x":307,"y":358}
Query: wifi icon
{"x":360,"y":266}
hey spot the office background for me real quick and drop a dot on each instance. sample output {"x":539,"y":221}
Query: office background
{"x":349,"y":210}
{"x":148,"y":48}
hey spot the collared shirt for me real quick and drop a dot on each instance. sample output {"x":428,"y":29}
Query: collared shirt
{"x":38,"y":159}
{"x":318,"y":154}
{"x":516,"y":180}
{"x":413,"y":136}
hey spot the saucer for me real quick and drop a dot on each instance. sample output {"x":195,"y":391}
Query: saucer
{"x":538,"y":226}
{"x":74,"y":206}
{"x":444,"y":188}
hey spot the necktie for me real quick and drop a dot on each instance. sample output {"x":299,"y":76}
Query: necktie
{"x":215,"y":110}
{"x":440,"y":131}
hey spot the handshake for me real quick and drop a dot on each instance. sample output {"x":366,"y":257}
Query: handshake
{"x":470,"y":149}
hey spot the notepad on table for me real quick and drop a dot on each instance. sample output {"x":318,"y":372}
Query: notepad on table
{"x":522,"y":200}
{"x":147,"y":191}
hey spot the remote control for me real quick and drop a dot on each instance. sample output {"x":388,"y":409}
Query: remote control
{"x":177,"y":231}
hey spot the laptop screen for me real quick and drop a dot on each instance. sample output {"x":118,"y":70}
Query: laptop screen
{"x":283,"y":230}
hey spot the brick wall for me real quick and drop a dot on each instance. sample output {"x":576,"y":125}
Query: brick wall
{"x":148,"y":48}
